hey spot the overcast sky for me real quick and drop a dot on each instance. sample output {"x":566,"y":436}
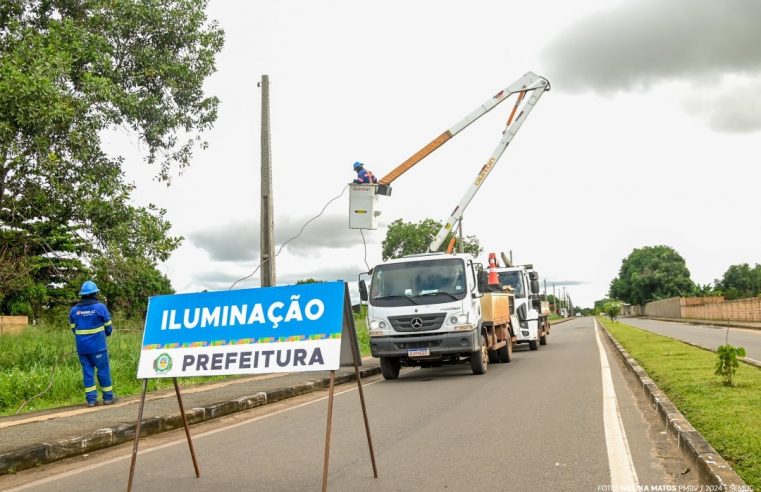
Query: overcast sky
{"x":650,"y":134}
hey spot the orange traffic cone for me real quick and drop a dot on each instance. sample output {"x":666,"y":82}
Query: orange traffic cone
{"x":493,"y":277}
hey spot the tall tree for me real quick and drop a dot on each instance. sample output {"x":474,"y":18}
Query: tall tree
{"x":740,"y":281}
{"x":68,"y":72}
{"x":651,"y":273}
{"x":409,"y":238}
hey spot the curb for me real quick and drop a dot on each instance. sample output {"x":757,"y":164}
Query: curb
{"x":704,"y":322}
{"x":44,"y":452}
{"x":712,"y":469}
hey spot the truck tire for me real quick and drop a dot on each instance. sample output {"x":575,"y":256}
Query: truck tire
{"x":390,"y":367}
{"x":505,"y":353}
{"x":533,"y":345}
{"x":493,"y":357}
{"x":479,"y":361}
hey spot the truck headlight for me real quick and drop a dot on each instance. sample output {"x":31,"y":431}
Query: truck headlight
{"x":374,"y":324}
{"x":458,"y":319}
{"x":524,"y":324}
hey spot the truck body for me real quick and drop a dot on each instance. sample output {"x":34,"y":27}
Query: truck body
{"x":532,"y":311}
{"x":427,"y":310}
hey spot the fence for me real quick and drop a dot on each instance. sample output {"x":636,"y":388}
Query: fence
{"x":13,"y":324}
{"x":737,"y":310}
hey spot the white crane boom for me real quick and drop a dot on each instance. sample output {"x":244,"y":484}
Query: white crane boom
{"x":530,"y":82}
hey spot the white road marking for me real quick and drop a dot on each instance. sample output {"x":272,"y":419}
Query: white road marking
{"x":182,"y":440}
{"x":623,"y":476}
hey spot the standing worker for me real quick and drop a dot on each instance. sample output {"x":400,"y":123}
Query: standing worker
{"x":90,"y":322}
{"x":363,"y":175}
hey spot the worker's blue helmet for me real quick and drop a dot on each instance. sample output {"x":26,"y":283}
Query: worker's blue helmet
{"x":357,"y":165}
{"x":88,"y":287}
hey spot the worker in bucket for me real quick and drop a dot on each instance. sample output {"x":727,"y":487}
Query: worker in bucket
{"x":363,"y":175}
{"x":90,"y":322}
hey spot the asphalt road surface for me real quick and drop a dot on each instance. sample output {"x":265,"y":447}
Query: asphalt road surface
{"x":545,"y":421}
{"x":704,"y":335}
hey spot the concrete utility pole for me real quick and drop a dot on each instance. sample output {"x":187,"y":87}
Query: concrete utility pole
{"x":267,"y":225}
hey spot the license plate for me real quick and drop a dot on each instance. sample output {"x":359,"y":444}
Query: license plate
{"x":419,"y":352}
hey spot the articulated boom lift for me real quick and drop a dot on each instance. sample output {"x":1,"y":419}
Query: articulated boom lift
{"x":363,"y":198}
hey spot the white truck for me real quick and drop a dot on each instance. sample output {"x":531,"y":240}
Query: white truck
{"x":533,"y":312}
{"x":427,"y":310}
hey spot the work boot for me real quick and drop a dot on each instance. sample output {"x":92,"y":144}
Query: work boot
{"x":93,"y":403}
{"x":110,"y":402}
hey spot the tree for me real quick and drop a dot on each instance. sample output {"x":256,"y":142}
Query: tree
{"x":408,"y":238}
{"x":309,"y":280}
{"x":651,"y":273}
{"x":740,"y":281}
{"x":70,"y":71}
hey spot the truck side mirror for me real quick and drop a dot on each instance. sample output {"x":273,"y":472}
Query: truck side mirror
{"x":533,"y":276}
{"x":535,"y":286}
{"x":363,"y":290}
{"x":483,"y":281}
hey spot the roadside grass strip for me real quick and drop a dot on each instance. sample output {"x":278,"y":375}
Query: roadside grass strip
{"x":40,"y":365}
{"x":728,"y":418}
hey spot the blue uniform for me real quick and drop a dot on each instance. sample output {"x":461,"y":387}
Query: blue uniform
{"x":365,"y":177}
{"x":90,"y":322}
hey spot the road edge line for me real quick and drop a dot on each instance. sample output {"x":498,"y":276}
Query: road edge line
{"x":623,"y":474}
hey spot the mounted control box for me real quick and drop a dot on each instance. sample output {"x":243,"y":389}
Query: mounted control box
{"x":363,"y":206}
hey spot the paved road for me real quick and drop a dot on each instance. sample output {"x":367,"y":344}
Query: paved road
{"x":704,"y":335}
{"x":537,"y":423}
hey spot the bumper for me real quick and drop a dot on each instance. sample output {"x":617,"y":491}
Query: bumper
{"x":438,"y":344}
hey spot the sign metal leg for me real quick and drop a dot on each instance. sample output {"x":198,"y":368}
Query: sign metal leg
{"x":187,"y":428}
{"x":137,"y":435}
{"x":326,"y":461}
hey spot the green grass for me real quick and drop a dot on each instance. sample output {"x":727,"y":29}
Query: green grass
{"x":27,"y":361}
{"x":729,"y":418}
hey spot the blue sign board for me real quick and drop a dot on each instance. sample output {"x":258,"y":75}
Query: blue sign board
{"x":275,"y":329}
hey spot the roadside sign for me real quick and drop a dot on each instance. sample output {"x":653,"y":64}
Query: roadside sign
{"x":248,"y":331}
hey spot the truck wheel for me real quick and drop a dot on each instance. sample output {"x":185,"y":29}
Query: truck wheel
{"x":533,"y":345}
{"x":390,"y":367}
{"x":505,"y":353}
{"x":479,"y":360}
{"x":493,"y":357}
{"x":543,"y":339}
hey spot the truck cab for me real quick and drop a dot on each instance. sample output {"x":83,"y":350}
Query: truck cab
{"x":532,"y":311}
{"x":425,"y":310}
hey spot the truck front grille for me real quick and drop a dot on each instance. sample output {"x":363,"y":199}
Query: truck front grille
{"x":417,"y":322}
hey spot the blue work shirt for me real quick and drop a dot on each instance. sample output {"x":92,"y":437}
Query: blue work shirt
{"x":90,"y":322}
{"x":365,"y":177}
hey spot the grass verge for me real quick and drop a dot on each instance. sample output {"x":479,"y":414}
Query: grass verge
{"x":43,"y":359}
{"x":729,"y":418}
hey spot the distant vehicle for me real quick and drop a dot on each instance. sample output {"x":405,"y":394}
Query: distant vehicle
{"x":564,"y":312}
{"x":578,"y":315}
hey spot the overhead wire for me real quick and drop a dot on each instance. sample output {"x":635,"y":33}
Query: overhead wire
{"x":291,"y":239}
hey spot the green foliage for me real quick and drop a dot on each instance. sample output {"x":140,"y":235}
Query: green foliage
{"x":612,"y":309}
{"x":726,"y":365}
{"x":651,"y":273}
{"x":740,"y":281}
{"x":408,"y":238}
{"x":308,"y":281}
{"x":70,"y":71}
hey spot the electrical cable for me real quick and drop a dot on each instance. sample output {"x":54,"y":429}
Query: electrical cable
{"x":291,"y":239}
{"x":365,"y":246}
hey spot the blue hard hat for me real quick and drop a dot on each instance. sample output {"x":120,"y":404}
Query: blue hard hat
{"x":357,"y":165}
{"x":88,"y":287}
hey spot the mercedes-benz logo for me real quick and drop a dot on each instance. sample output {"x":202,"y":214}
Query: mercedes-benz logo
{"x":416,"y":323}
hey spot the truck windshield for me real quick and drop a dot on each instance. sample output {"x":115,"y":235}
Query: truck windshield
{"x":418,"y":282}
{"x":513,"y":279}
